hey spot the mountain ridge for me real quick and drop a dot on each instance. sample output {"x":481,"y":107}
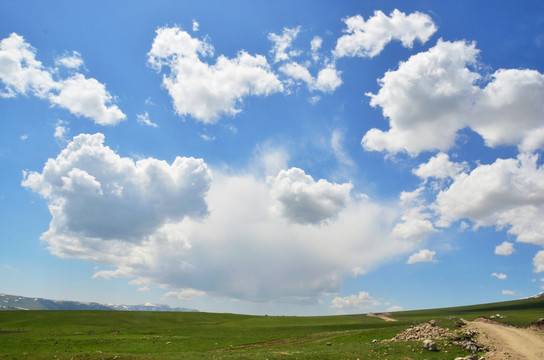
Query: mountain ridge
{"x":15,"y":302}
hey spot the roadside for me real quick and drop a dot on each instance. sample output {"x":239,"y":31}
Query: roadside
{"x":508,"y":342}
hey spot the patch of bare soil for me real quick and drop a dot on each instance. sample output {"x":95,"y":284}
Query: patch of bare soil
{"x":383,"y":316}
{"x":508,"y":342}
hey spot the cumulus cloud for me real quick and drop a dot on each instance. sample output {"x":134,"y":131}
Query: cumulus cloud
{"x":506,"y":248}
{"x":208,"y":91}
{"x":423,"y":100}
{"x":363,"y":300}
{"x":499,"y":276}
{"x":93,"y":193}
{"x":21,"y":73}
{"x":89,"y":98}
{"x":433,"y":95}
{"x":440,"y":167}
{"x":303,"y":200}
{"x":424,"y":255}
{"x":171,"y":226}
{"x":73,"y":61}
{"x":282,"y":43}
{"x":538,"y":261}
{"x":508,"y":193}
{"x":368,"y":38}
{"x":509,"y":292}
{"x":415,"y":220}
{"x":327,"y":80}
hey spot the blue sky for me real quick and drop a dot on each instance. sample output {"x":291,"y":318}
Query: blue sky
{"x":301,"y":157}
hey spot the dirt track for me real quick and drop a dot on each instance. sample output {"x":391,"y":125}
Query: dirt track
{"x":507,"y":342}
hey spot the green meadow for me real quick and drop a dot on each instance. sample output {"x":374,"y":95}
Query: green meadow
{"x":180,"y":335}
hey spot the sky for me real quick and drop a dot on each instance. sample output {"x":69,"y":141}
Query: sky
{"x":286,"y":157}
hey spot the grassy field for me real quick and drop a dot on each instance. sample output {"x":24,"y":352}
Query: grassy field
{"x":162,"y":335}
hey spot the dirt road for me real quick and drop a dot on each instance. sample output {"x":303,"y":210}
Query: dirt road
{"x":509,"y":343}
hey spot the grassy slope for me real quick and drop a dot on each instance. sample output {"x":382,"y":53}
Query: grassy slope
{"x":152,"y":335}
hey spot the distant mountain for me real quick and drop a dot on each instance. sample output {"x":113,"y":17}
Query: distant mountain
{"x":12,"y":302}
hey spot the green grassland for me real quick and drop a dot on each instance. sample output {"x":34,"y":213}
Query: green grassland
{"x":167,"y":335}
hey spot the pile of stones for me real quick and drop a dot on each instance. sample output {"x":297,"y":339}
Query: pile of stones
{"x":423,"y":331}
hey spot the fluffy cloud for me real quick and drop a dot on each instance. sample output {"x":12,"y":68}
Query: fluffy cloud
{"x":208,"y":91}
{"x":423,"y":98}
{"x":21,"y":73}
{"x":509,"y":110}
{"x":170,"y":225}
{"x":505,"y":249}
{"x":282,"y":43}
{"x":433,"y":95}
{"x":424,"y":255}
{"x":509,"y":192}
{"x":509,"y":292}
{"x":327,"y":80}
{"x":538,"y":261}
{"x":499,"y":276}
{"x":415,"y":223}
{"x":367,"y":39}
{"x":302,"y":200}
{"x":440,"y":167}
{"x":93,"y":193}
{"x":89,"y":98}
{"x":361,"y":301}
{"x":73,"y":61}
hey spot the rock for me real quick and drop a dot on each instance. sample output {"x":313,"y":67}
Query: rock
{"x":429,"y":345}
{"x":540,"y":321}
{"x":329,"y":343}
{"x":433,"y":323}
{"x":472,"y":346}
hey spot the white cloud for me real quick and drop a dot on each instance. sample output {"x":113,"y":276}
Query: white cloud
{"x":185,"y":294}
{"x":509,"y":292}
{"x":506,"y":248}
{"x":509,"y":110}
{"x":361,"y":301}
{"x":433,"y":95}
{"x":73,"y":61}
{"x":508,"y":193}
{"x":367,"y":39}
{"x":22,"y":73}
{"x":282,"y":43}
{"x":208,"y":91}
{"x":303,"y":200}
{"x":89,"y":98}
{"x":145,"y":120}
{"x":327,"y":80}
{"x":440,"y":167}
{"x":196,"y":26}
{"x":424,"y":255}
{"x":23,"y":137}
{"x":171,"y":226}
{"x":61,"y":130}
{"x":93,"y":193}
{"x":315,"y":45}
{"x":424,"y":100}
{"x":538,"y":261}
{"x":415,"y":223}
{"x":499,"y":276}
